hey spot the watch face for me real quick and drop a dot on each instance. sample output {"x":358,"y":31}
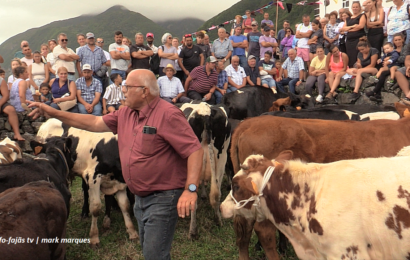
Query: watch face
{"x":192,"y":187}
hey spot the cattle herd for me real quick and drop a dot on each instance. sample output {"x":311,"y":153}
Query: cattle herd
{"x":332,"y":180}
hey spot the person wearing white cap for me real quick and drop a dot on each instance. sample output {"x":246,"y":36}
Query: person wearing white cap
{"x":89,"y":91}
{"x":170,"y":87}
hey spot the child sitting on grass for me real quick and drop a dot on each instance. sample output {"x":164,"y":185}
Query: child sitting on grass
{"x":114,"y":97}
{"x":46,"y":96}
{"x":389,"y":62}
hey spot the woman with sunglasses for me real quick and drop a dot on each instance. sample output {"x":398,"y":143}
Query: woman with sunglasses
{"x":287,"y":41}
{"x":167,"y":53}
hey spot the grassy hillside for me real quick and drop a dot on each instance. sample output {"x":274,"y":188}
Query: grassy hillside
{"x":102,"y":25}
{"x":295,"y":16}
{"x":182,"y":26}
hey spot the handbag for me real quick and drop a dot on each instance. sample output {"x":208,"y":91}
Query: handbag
{"x":67,"y":105}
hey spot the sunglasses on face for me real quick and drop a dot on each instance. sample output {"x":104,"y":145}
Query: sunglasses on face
{"x":100,"y":41}
{"x":64,"y":40}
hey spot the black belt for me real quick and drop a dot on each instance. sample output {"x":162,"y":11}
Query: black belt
{"x":71,"y":73}
{"x":220,"y":58}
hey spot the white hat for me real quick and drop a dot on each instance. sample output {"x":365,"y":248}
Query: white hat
{"x":87,"y":67}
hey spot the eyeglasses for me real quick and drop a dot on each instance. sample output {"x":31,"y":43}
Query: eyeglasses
{"x":100,"y":41}
{"x":127,"y":87}
{"x":64,"y":40}
{"x":169,"y":38}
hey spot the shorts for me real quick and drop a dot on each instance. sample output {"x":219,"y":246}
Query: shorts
{"x":303,"y":53}
{"x":4,"y":106}
{"x":117,"y":106}
{"x":403,"y":71}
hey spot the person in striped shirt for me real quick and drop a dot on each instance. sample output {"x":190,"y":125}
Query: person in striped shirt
{"x":114,"y":97}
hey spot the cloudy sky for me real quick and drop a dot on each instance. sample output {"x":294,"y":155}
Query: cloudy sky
{"x":17,"y":16}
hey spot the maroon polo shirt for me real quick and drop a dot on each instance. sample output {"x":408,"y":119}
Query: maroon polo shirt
{"x":153,"y":162}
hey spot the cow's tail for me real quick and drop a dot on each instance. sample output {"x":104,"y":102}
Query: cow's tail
{"x":234,"y":149}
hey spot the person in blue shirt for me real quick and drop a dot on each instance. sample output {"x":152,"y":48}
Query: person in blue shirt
{"x":239,"y":44}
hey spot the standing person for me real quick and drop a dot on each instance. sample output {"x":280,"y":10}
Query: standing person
{"x":374,"y":23}
{"x":238,"y":22}
{"x":154,"y":59}
{"x":286,"y":42}
{"x":329,"y":32}
{"x":293,"y":69}
{"x":89,"y":91}
{"x":206,"y":41}
{"x":267,"y":43}
{"x":253,"y":42}
{"x":167,"y":53}
{"x":317,"y":74}
{"x":180,"y":74}
{"x":140,"y":53}
{"x":336,"y":67}
{"x":343,"y":31}
{"x":303,"y":33}
{"x":239,"y":44}
{"x":222,"y":47}
{"x":201,"y":82}
{"x":282,"y":32}
{"x":44,"y":52}
{"x":236,"y":75}
{"x":81,"y":41}
{"x":398,"y":20}
{"x":38,"y":72}
{"x":190,"y":57}
{"x":20,"y":54}
{"x":355,"y":28}
{"x":222,"y":84}
{"x":316,"y":39}
{"x":100,"y":43}
{"x":157,"y":131}
{"x":65,"y":56}
{"x":170,"y":87}
{"x":252,"y":72}
{"x":50,"y":59}
{"x":28,"y":55}
{"x":120,"y":55}
{"x":200,"y":39}
{"x":247,"y":23}
{"x":267,"y":21}
{"x":150,"y":42}
{"x":94,"y":56}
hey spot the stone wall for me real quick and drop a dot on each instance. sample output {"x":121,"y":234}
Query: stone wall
{"x":390,"y":93}
{"x":28,"y":129}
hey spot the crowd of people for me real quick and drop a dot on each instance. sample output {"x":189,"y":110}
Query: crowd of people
{"x":344,"y":44}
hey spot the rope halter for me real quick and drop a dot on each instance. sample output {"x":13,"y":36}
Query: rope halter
{"x":256,"y":198}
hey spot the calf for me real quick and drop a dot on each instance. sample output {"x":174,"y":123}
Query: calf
{"x":35,"y":211}
{"x":313,"y":141}
{"x":310,"y":205}
{"x":54,"y":167}
{"x":9,"y":151}
{"x":96,"y":160}
{"x":211,"y":126}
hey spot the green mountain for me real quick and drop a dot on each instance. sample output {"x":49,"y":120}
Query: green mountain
{"x":295,"y":16}
{"x":102,"y":25}
{"x":181,"y":27}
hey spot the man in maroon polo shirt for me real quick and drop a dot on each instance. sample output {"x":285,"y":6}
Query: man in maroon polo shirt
{"x":161,"y":158}
{"x":201,"y":82}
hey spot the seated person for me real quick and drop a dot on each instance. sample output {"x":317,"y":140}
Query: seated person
{"x":201,"y":82}
{"x":171,"y":89}
{"x":388,"y":61}
{"x":63,"y":90}
{"x":293,"y":69}
{"x":222,"y":85}
{"x":236,"y":75}
{"x":113,"y":98}
{"x":89,"y":91}
{"x":267,"y":70}
{"x":46,"y":96}
{"x":252,"y":72}
{"x":20,"y":90}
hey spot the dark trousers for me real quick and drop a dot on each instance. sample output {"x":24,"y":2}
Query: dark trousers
{"x":157,"y":217}
{"x":310,"y":84}
{"x":192,"y":94}
{"x":377,"y":90}
{"x":180,"y":100}
{"x":287,"y":81}
{"x":376,"y":37}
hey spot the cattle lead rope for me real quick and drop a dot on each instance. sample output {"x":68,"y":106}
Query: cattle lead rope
{"x":64,"y":160}
{"x":266,"y":177}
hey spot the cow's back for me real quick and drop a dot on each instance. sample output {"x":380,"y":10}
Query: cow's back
{"x":318,"y":140}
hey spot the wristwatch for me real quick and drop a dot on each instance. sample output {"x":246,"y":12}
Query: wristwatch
{"x":192,"y":187}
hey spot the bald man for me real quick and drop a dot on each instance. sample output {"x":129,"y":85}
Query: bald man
{"x":161,"y":158}
{"x":20,"y":53}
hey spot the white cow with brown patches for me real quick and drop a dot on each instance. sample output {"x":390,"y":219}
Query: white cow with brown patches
{"x":352,"y":209}
{"x":9,"y":151}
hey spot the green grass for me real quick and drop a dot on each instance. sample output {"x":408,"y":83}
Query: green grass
{"x":214,"y":242}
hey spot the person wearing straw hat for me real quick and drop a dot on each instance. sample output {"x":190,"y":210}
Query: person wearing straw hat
{"x":170,"y":87}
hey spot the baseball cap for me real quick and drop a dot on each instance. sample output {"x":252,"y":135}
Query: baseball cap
{"x":89,"y":35}
{"x":149,"y":35}
{"x":254,"y":23}
{"x":251,"y":57}
{"x":87,"y":66}
{"x":266,"y":28}
{"x":211,"y":59}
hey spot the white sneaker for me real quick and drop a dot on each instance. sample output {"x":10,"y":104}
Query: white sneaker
{"x":319,"y":99}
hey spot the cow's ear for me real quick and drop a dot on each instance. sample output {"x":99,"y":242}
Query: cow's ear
{"x":285,"y":156}
{"x":36,"y":147}
{"x":251,"y":186}
{"x":68,"y":143}
{"x":406,"y":113}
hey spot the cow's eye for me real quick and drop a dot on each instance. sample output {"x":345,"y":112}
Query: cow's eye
{"x":235,"y":188}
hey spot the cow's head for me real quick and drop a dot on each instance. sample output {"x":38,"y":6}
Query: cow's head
{"x":402,"y":109}
{"x":61,"y":143}
{"x":293,"y":102}
{"x":280,"y":104}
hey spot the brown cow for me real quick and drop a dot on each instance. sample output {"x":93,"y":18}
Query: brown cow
{"x":312,"y":141}
{"x":35,"y":211}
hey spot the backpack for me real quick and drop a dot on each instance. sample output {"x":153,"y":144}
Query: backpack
{"x":154,"y":62}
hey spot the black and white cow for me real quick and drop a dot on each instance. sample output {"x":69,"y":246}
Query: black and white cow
{"x":9,"y":151}
{"x":251,"y":101}
{"x":97,"y":162}
{"x":211,"y":126}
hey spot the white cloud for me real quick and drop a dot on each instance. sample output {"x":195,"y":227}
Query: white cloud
{"x":22,"y":15}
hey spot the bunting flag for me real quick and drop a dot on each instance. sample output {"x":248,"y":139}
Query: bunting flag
{"x":280,"y":4}
{"x":301,"y":3}
{"x":289,"y":7}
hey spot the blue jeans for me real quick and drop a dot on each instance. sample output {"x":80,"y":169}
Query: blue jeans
{"x":121,"y":72}
{"x":287,"y":81}
{"x":243,"y":61}
{"x":157,"y":217}
{"x":270,"y":82}
{"x":97,"y":111}
{"x":74,"y":109}
{"x":218,"y":95}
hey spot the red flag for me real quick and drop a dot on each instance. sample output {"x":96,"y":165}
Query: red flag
{"x":280,"y":4}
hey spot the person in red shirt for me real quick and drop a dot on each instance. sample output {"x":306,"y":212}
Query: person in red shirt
{"x":161,"y":158}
